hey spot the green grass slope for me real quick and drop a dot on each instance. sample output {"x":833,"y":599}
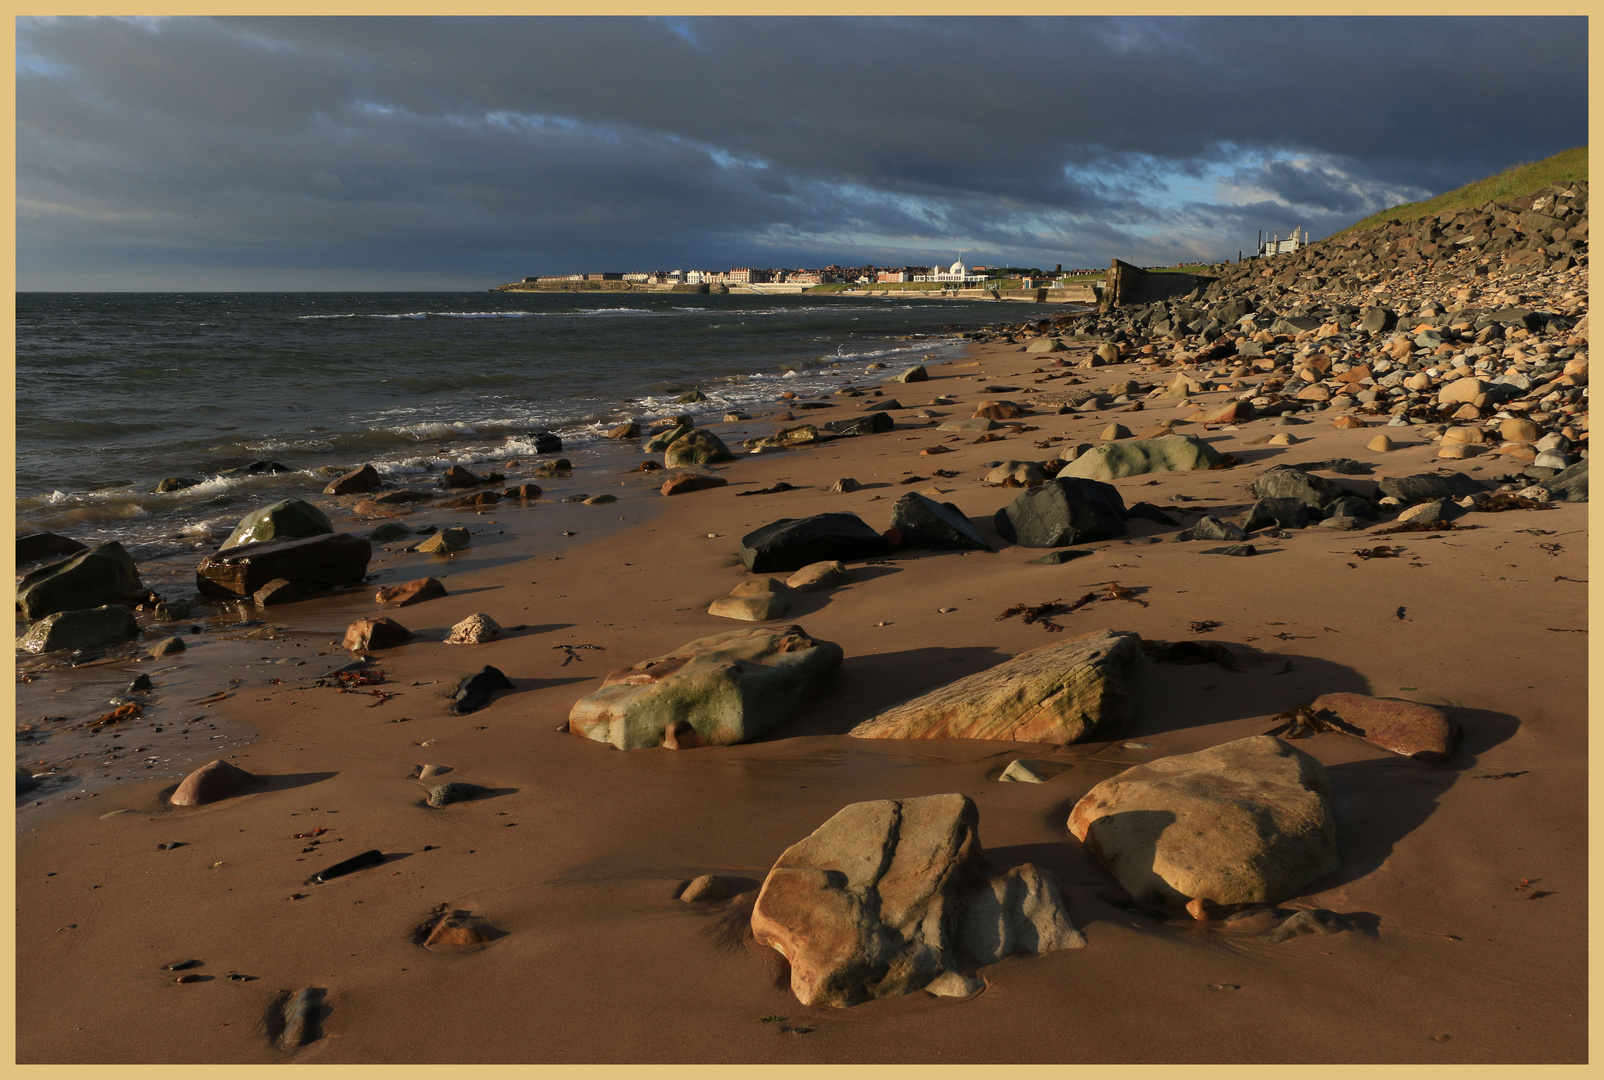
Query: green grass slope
{"x":1512,"y":183}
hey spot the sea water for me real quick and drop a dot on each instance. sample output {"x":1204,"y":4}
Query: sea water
{"x":116,"y":391}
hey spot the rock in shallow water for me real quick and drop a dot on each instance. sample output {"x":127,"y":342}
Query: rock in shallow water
{"x":105,"y":574}
{"x":310,"y":563}
{"x":80,"y":629}
{"x":893,"y":896}
{"x":1058,"y":693}
{"x":287,"y":519}
{"x":1249,"y":821}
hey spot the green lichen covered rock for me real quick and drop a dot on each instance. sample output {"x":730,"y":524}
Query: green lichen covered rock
{"x":725,"y":689}
{"x":1167,"y":453}
{"x":287,"y":520}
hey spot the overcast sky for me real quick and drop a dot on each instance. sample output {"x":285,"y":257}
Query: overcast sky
{"x":399,"y":153}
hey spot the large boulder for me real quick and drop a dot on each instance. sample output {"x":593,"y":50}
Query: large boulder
{"x":925,"y":523}
{"x":696,"y":447}
{"x":31,"y":547}
{"x":285,"y":520}
{"x":726,"y":688}
{"x":1247,"y":822}
{"x":893,"y":896}
{"x":1063,"y":511}
{"x":792,"y":543}
{"x":1059,"y":693}
{"x":1133,"y":457}
{"x":88,"y":629}
{"x":1425,"y":487}
{"x":105,"y":574}
{"x":309,"y":564}
{"x":1285,"y":482}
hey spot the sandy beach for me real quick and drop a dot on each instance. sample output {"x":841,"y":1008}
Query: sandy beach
{"x":1465,"y":880}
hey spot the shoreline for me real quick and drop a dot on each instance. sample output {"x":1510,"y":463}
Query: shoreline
{"x":579,"y":855}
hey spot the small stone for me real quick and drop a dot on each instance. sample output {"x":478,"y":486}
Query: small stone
{"x":474,"y":630}
{"x":686,"y":482}
{"x":473,"y":691}
{"x":412,"y":592}
{"x":379,"y":633}
{"x":1381,"y":444}
{"x":213,"y":781}
{"x":705,"y":889}
{"x":454,"y":791}
{"x":819,"y":575}
{"x":167,"y":646}
{"x":600,"y":500}
{"x":444,"y":542}
{"x":1022,"y":771}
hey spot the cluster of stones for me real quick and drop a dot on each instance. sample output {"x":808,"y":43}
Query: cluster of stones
{"x":1469,"y":328}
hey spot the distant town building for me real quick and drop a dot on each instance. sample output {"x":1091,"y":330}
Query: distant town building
{"x":954,"y":275}
{"x":1278,"y":246}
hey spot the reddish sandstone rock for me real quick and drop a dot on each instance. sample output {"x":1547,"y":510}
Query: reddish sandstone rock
{"x":354,"y":482}
{"x":1403,"y":727}
{"x":213,"y":781}
{"x":380,"y":633}
{"x":412,"y":592}
{"x":998,"y":410}
{"x":526,"y":491}
{"x":1234,"y":413}
{"x":476,"y":501}
{"x":888,"y":897}
{"x":1347,"y":423}
{"x":688,"y":482}
{"x":458,"y":477}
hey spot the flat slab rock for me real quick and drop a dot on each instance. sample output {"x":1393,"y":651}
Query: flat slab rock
{"x":1059,"y":693}
{"x":309,"y":563}
{"x":726,"y":689}
{"x":1403,"y":727}
{"x":791,"y":543}
{"x":893,"y":896}
{"x":1246,"y":822}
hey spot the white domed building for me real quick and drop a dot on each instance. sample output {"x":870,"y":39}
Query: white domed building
{"x":956,"y":274}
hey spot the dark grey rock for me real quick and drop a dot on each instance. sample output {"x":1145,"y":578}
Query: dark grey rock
{"x":792,"y":543}
{"x":1148,"y":512}
{"x":925,"y":523}
{"x":455,"y":791}
{"x":868,"y":424}
{"x":1351,"y":506}
{"x":1068,"y":510}
{"x":473,"y":691}
{"x":104,"y":574}
{"x":1210,"y":527}
{"x":1057,"y":558}
{"x":1569,"y":485}
{"x":1232,"y":549}
{"x":1283,"y":482}
{"x":31,"y":547}
{"x":390,"y":530}
{"x":175,"y":483}
{"x":1423,"y":487}
{"x":1276,"y":513}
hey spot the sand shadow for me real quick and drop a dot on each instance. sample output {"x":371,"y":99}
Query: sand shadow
{"x":866,"y":685}
{"x":1171,"y":696}
{"x":1382,"y":800}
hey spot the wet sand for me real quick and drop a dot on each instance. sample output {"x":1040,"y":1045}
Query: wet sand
{"x":1470,"y":876}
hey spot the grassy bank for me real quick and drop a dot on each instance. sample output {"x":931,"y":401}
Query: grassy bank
{"x":1513,"y":182}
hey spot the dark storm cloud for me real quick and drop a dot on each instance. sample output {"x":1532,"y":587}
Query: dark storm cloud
{"x":467,"y":151}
